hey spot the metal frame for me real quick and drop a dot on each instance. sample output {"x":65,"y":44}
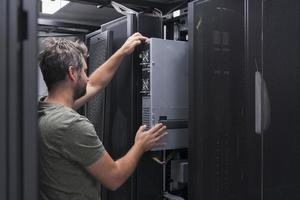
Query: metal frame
{"x":252,"y":21}
{"x":195,"y":183}
{"x":18,"y":135}
{"x":165,"y":7}
{"x":14,"y":96}
{"x":29,"y":106}
{"x":3,"y":100}
{"x":54,"y":23}
{"x":146,"y":25}
{"x":132,"y":28}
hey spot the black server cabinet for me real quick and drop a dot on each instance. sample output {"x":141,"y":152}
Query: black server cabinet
{"x":224,"y":151}
{"x":280,"y":30}
{"x":119,"y":107}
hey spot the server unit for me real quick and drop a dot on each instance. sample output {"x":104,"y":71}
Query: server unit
{"x":164,"y":89}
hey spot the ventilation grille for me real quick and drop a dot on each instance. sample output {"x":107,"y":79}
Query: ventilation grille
{"x":99,"y":49}
{"x":98,"y":52}
{"x":146,"y":118}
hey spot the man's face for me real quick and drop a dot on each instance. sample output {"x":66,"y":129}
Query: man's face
{"x":82,"y":80}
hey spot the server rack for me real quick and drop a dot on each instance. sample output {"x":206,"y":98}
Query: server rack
{"x":279,"y":55}
{"x":217,"y":148}
{"x":123,"y":106}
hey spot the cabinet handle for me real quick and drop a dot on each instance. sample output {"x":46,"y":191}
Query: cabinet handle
{"x":262,"y":104}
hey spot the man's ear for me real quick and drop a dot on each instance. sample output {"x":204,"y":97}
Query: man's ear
{"x":72,"y":73}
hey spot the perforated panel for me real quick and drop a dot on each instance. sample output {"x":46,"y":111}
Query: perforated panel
{"x":146,"y":116}
{"x":99,"y":48}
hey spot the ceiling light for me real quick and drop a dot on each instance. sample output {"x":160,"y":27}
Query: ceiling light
{"x":52,"y":6}
{"x":176,"y":13}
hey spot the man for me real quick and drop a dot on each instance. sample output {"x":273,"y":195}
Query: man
{"x":72,"y":157}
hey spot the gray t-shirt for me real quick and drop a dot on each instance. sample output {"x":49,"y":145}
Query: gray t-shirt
{"x":68,"y":144}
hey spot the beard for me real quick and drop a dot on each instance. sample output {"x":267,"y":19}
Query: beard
{"x":80,"y":89}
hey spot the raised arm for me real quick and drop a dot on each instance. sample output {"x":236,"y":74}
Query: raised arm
{"x":104,"y":73}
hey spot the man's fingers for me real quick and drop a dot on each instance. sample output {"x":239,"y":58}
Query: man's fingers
{"x":139,"y":39}
{"x":161,"y":136}
{"x":143,"y":39}
{"x":138,"y":42}
{"x":136,"y":34}
{"x":140,"y":36}
{"x":142,"y":128}
{"x":161,"y":131}
{"x":131,"y":43}
{"x":155,"y":128}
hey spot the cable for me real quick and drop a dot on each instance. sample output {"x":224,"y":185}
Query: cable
{"x":157,"y":12}
{"x":165,"y":160}
{"x":122,"y":9}
{"x":176,"y":7}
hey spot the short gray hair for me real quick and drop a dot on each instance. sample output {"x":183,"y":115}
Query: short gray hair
{"x":57,"y":56}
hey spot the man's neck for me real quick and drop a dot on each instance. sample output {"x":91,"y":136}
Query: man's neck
{"x":63,"y":97}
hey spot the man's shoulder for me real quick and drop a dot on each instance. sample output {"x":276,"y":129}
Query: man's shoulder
{"x":60,"y":116}
{"x":63,"y":124}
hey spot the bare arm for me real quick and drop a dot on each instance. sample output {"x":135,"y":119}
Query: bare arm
{"x":104,"y":73}
{"x":113,"y":174}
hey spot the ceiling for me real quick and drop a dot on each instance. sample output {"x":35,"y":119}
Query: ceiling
{"x":83,"y":14}
{"x":86,"y":13}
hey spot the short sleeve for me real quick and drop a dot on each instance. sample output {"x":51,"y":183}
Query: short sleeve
{"x":81,"y":143}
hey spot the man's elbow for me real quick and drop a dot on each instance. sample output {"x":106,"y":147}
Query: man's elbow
{"x":117,"y":179}
{"x":114,"y":186}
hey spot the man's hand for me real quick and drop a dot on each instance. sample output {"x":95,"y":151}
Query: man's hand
{"x":150,"y":139}
{"x":130,"y":44}
{"x":113,"y":174}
